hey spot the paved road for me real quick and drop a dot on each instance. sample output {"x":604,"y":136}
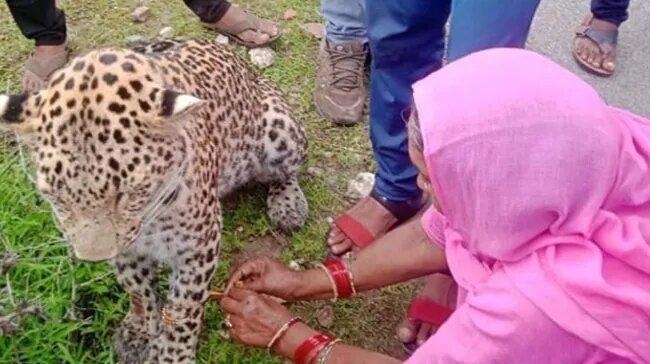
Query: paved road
{"x":552,"y":34}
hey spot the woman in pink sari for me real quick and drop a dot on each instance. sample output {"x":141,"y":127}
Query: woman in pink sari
{"x":544,"y":223}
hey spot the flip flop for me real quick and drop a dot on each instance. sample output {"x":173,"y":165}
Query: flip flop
{"x":38,"y":70}
{"x":606,"y":40}
{"x":252,"y":23}
{"x":360,"y":236}
{"x":427,"y":311}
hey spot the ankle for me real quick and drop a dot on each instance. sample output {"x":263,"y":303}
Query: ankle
{"x":48,"y":50}
{"x":603,"y":24}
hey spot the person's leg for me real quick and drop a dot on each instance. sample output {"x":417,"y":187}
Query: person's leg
{"x":611,"y":11}
{"x":39,"y":21}
{"x":345,"y":20}
{"x":209,"y":11}
{"x":340,"y":92}
{"x":595,"y":43}
{"x":479,"y":25}
{"x":406,"y":42}
{"x":233,"y":21}
{"x":43,"y":23}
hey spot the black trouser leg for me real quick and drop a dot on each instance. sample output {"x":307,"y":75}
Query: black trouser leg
{"x":613,"y":11}
{"x":39,"y":20}
{"x":209,"y":11}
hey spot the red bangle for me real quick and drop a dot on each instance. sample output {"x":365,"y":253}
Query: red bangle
{"x":341,"y":277}
{"x":316,"y":342}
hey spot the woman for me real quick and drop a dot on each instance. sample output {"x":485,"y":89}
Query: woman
{"x":544,"y":223}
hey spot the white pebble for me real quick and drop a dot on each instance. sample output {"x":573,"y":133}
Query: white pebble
{"x":361,"y":185}
{"x":167,"y":32}
{"x":262,"y":57}
{"x":222,"y":39}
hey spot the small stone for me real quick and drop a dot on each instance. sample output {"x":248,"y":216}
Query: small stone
{"x":314,"y":171}
{"x":133,"y":40}
{"x":262,"y":57}
{"x":240,"y":229}
{"x":296,"y":264}
{"x":360,"y":186}
{"x":328,"y":155}
{"x":325,"y":317}
{"x":166,"y":32}
{"x":222,"y":39}
{"x":289,"y":14}
{"x":140,"y":14}
{"x":329,"y":220}
{"x":315,"y":29}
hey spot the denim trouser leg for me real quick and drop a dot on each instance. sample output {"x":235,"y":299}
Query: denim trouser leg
{"x":478,"y":25}
{"x":345,"y":20}
{"x":407,"y":43}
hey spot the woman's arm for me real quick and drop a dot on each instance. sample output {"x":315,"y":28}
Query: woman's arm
{"x":402,"y":254}
{"x":340,"y":354}
{"x":256,"y":320}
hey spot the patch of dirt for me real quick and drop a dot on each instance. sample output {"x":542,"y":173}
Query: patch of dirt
{"x":369,"y":321}
{"x":264,"y":246}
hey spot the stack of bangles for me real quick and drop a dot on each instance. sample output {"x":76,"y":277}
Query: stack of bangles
{"x":315,"y":350}
{"x":340,"y":276}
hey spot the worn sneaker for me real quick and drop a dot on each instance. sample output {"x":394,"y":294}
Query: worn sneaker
{"x":340,"y":92}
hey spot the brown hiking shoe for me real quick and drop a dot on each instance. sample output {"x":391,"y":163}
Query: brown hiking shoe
{"x":340,"y":92}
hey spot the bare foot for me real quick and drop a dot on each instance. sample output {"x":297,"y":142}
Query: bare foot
{"x":598,"y":55}
{"x":41,"y":64}
{"x":369,"y":213}
{"x":260,"y":35}
{"x":439,"y":288}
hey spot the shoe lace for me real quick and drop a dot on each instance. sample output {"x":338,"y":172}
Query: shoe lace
{"x":346,"y":76}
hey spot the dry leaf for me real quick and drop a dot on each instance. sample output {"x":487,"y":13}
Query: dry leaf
{"x":289,"y":14}
{"x":315,"y":29}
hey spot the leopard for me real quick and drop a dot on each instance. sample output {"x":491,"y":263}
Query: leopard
{"x":134,"y":149}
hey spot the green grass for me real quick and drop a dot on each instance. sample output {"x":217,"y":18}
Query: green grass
{"x":82,"y":302}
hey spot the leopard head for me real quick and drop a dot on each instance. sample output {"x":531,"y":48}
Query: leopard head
{"x":104,"y":137}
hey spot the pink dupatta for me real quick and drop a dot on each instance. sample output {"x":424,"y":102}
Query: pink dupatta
{"x":536,"y":175}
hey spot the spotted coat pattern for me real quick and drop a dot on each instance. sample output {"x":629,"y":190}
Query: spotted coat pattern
{"x":111,"y":130}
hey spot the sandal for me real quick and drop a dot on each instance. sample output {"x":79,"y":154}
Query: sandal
{"x":251,"y":23}
{"x":606,"y":40}
{"x":38,"y":70}
{"x":360,"y":236}
{"x":426,"y":310}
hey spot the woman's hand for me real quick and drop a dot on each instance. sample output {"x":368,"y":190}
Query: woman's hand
{"x":265,"y":275}
{"x":253,"y":319}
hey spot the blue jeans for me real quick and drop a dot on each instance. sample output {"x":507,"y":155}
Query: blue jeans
{"x":407,"y":42}
{"x":345,"y":20}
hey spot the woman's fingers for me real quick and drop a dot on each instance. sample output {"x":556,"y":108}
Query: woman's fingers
{"x":239,"y":294}
{"x":248,"y":269}
{"x":231,"y":306}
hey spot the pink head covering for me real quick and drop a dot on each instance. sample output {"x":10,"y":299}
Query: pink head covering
{"x":536,"y":175}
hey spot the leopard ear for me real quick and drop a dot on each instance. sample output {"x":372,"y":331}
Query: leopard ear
{"x":176,"y":105}
{"x":12,"y":113}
